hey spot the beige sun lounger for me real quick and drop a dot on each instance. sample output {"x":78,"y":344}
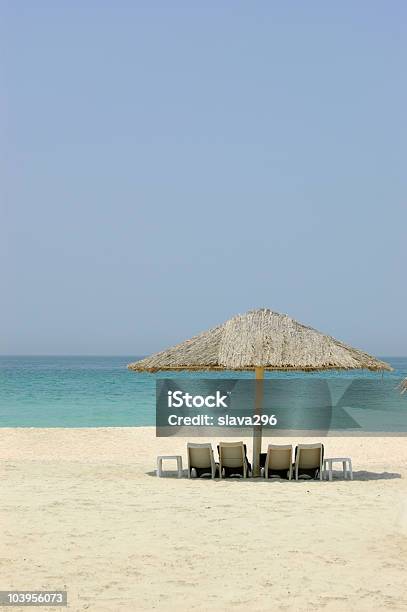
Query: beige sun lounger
{"x":279,"y":461}
{"x":309,"y":458}
{"x":200,"y":459}
{"x":232,"y":459}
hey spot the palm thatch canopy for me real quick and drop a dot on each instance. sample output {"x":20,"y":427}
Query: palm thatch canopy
{"x":403,"y":386}
{"x":260,"y":339}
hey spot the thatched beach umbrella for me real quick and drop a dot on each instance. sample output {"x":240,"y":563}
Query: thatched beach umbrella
{"x":260,"y":340}
{"x":403,"y":386}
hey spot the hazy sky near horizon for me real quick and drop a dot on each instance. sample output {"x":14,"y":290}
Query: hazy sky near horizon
{"x":166,"y":165}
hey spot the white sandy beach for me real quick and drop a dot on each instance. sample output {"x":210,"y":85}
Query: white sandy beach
{"x":81,"y":510}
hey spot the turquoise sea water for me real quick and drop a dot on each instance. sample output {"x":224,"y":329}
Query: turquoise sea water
{"x":100,"y":391}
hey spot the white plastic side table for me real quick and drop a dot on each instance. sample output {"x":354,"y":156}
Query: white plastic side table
{"x":176,"y":458}
{"x":346,"y":466}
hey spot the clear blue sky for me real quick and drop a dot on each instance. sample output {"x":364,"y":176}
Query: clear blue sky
{"x":165,"y":165}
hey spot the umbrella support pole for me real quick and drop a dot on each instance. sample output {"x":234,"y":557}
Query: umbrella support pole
{"x":257,"y":431}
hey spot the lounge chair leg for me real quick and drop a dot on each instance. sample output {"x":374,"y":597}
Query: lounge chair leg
{"x":159,"y":467}
{"x":179,"y":467}
{"x":344,"y":469}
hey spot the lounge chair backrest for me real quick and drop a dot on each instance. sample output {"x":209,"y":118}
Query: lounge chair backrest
{"x":231,"y":454}
{"x":200,"y":455}
{"x":279,"y":456}
{"x":309,"y":457}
